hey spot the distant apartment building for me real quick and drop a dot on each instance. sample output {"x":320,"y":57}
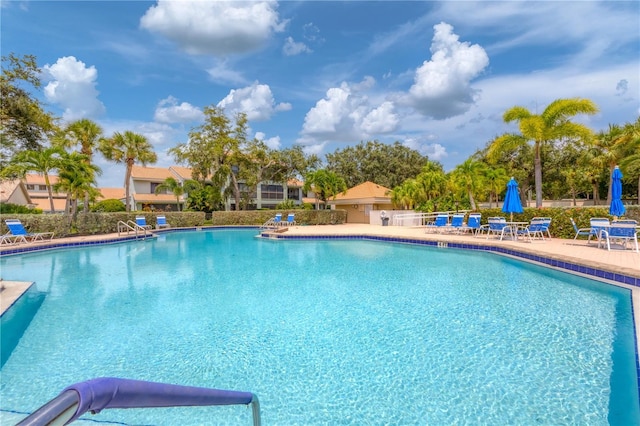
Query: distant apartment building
{"x":15,"y":192}
{"x":145,"y":180}
{"x":143,"y":184}
{"x":39,"y":194}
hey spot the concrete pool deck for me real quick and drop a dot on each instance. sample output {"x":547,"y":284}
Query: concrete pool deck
{"x":579,"y":252}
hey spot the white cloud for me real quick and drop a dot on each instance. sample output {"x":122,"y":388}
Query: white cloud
{"x":380,"y":120}
{"x":72,"y":86}
{"x":273,"y":143}
{"x":441,"y":86}
{"x":434,"y":151}
{"x":220,"y":73}
{"x":292,"y":48}
{"x":169,"y":111}
{"x":256,"y":101}
{"x":346,"y":114}
{"x":214,"y":27}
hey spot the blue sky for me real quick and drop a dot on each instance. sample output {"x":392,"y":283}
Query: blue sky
{"x":435,"y":76}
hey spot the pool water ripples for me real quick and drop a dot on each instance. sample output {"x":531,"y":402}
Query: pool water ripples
{"x":325,"y":332}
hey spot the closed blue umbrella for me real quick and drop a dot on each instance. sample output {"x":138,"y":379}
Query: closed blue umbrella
{"x":512,"y":202}
{"x":616,"y":208}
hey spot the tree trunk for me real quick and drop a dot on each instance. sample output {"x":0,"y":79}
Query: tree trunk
{"x":611,"y":167}
{"x":236,"y":191}
{"x":50,"y":192}
{"x":472,"y":201}
{"x":538,"y":175}
{"x":127,"y":177}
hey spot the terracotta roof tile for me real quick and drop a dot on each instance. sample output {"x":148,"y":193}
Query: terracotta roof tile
{"x":364,"y":190}
{"x":150,"y":173}
{"x":38,"y":179}
{"x":111,"y":193}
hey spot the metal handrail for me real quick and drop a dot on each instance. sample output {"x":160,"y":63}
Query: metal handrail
{"x":131,"y":226}
{"x":107,"y":392}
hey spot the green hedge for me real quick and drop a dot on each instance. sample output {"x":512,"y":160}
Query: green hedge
{"x":560,"y":217}
{"x":106,"y":223}
{"x":258,"y":217}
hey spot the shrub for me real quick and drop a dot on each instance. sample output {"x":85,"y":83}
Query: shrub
{"x":109,"y":206}
{"x":8,"y":208}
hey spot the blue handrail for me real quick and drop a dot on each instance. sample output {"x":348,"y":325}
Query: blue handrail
{"x":108,"y":392}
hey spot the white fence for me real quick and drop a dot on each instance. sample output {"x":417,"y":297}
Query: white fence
{"x":406,"y":217}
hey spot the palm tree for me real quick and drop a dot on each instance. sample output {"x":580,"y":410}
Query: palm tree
{"x":630,"y":165}
{"x":431,"y":181}
{"x":128,"y":148}
{"x":550,"y":126}
{"x":612,"y":146}
{"x":77,"y":178}
{"x":43,"y":162}
{"x":177,"y":188}
{"x":405,"y":195}
{"x":495,"y":180}
{"x":325,"y":184}
{"x":469,"y":176}
{"x":85,"y":134}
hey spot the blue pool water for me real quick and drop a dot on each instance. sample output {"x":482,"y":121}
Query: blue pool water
{"x":324,"y":332}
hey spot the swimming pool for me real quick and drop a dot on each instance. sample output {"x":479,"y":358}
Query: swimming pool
{"x":326,"y":332}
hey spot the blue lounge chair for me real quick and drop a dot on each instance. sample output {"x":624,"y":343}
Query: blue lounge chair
{"x":141,"y":221}
{"x":20,"y":234}
{"x":498,"y":226}
{"x":621,"y":232}
{"x":291,"y":221}
{"x":457,"y":223}
{"x":161,"y":222}
{"x":441,"y":223}
{"x":585,"y":232}
{"x":473,"y":223}
{"x":597,"y":225}
{"x":273,"y":222}
{"x":536,"y":228}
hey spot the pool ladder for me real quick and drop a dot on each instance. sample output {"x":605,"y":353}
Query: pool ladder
{"x":131,"y":226}
{"x":108,"y":392}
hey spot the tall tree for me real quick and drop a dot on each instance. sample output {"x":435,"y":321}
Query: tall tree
{"x":630,"y":165}
{"x":385,"y":164}
{"x":553,"y":124}
{"x":77,"y":178}
{"x":24,"y":124}
{"x":431,"y":182}
{"x":613,"y":145}
{"x":495,"y":180}
{"x":216,"y":151}
{"x":177,"y":188}
{"x":85,"y":135}
{"x":469,"y":176}
{"x":128,"y":148}
{"x":325,"y":184}
{"x":42,"y":162}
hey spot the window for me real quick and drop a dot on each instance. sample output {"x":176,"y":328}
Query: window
{"x":31,"y":187}
{"x":272,"y":192}
{"x":293,"y":193}
{"x":154,"y":185}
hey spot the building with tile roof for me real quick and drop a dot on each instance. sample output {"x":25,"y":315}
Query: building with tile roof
{"x":360,"y":200}
{"x":37,"y":189}
{"x":15,"y":192}
{"x":145,"y":180}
